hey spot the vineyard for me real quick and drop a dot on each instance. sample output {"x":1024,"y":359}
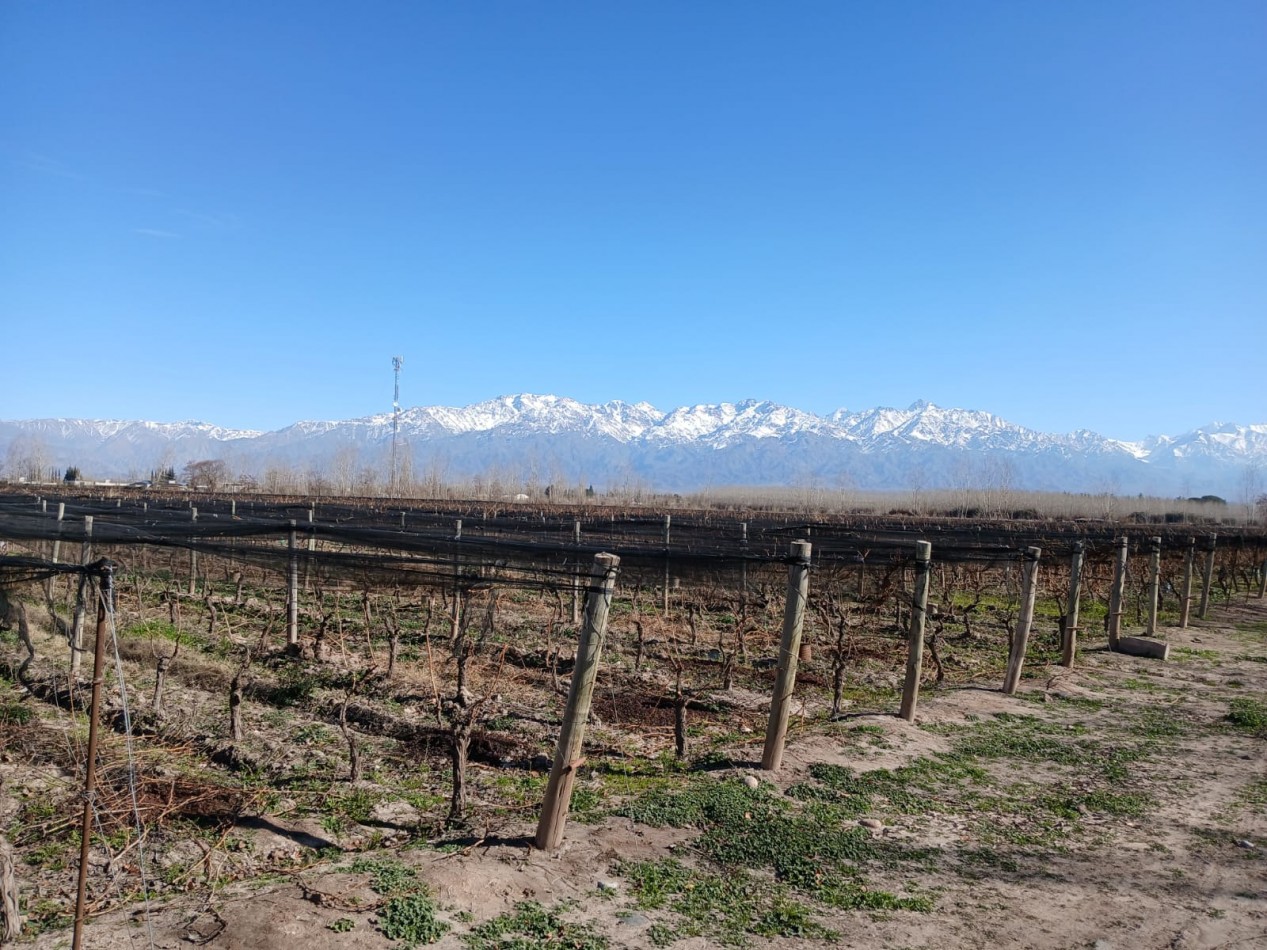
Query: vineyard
{"x":401,"y":723}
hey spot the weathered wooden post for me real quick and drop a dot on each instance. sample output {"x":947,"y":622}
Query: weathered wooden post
{"x":1154,"y":584}
{"x":1262,"y":579}
{"x":57,"y":542}
{"x":568,"y":754}
{"x":576,"y":573}
{"x":292,"y":590}
{"x":1117,"y":592}
{"x":457,"y":577}
{"x":667,"y":521}
{"x":789,"y":653}
{"x":1207,"y":577}
{"x":105,"y":606}
{"x":57,"y":548}
{"x":1020,"y":638}
{"x":1069,"y":642}
{"x":77,"y":619}
{"x":743,"y":564}
{"x":915,"y":637}
{"x":233,"y":508}
{"x":193,"y":555}
{"x":312,"y":546}
{"x":1185,"y":599}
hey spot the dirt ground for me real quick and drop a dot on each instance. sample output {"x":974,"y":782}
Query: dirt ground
{"x":1186,"y":869}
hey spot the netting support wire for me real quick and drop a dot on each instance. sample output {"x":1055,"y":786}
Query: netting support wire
{"x":105,"y":577}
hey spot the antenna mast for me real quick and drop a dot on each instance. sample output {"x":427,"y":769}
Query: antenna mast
{"x":397,"y":363}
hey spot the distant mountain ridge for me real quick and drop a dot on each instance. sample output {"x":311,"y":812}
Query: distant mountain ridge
{"x":542,"y":439}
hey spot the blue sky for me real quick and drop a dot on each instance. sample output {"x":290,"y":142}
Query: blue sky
{"x":239,"y":212}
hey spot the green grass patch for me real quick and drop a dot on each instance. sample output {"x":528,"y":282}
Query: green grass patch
{"x":1248,"y":715}
{"x":1254,"y":796}
{"x":159,"y":630}
{"x":811,"y":845}
{"x":1026,"y":739}
{"x":1159,"y":723}
{"x":910,"y":789}
{"x":409,"y":915}
{"x":728,"y":908}
{"x":1089,"y":703}
{"x":1103,"y":802}
{"x":530,"y":925}
{"x":1190,"y":653}
{"x":389,"y":878}
{"x":15,"y":713}
{"x":412,"y":920}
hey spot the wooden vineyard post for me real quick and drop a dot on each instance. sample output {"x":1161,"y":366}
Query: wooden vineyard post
{"x":1154,"y":584}
{"x":292,"y":591}
{"x":567,"y":755}
{"x":576,"y":574}
{"x":1069,"y":642}
{"x":57,"y":547}
{"x":1185,"y":599}
{"x":457,"y":577}
{"x":105,"y":606}
{"x":1207,"y":577}
{"x":193,"y":555}
{"x":1020,"y":638}
{"x":312,"y":546}
{"x":789,"y":652}
{"x":57,"y":542}
{"x":668,"y":520}
{"x":1118,"y":592}
{"x":915,"y":641}
{"x":1262,"y":579}
{"x":743,"y":565}
{"x":77,"y":620}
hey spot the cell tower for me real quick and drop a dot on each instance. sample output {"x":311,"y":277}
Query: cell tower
{"x":397,"y":363}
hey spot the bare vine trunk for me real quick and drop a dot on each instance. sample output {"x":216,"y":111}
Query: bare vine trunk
{"x":679,"y":719}
{"x":160,"y":679}
{"x":10,"y":910}
{"x":354,"y":745}
{"x":235,"y":706}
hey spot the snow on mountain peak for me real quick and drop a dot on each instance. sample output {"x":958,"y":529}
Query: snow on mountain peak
{"x":751,"y":441}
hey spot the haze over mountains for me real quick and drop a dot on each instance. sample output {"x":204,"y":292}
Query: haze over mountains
{"x":539,"y":440}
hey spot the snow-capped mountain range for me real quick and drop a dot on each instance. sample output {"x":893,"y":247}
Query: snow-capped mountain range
{"x":540,"y":440}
